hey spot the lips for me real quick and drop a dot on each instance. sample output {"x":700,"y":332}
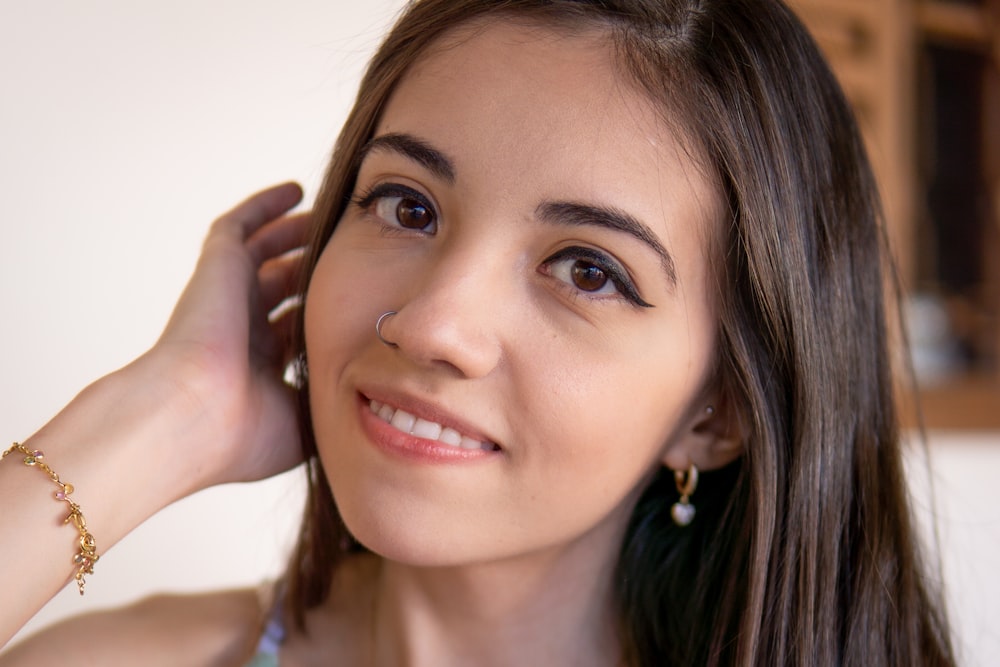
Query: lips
{"x":426,"y":429}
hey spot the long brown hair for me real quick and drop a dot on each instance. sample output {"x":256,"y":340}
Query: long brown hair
{"x":804,"y":550}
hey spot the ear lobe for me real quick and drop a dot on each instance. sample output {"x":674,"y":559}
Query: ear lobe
{"x":713,"y":439}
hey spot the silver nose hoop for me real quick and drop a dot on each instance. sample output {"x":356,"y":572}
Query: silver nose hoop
{"x":378,"y":328}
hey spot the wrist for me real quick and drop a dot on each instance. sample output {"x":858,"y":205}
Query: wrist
{"x":130,"y":445}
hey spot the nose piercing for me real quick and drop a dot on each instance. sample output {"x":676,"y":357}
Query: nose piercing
{"x":378,"y":328}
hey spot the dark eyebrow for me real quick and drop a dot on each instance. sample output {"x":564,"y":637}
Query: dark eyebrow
{"x":415,"y":149}
{"x":572,"y":213}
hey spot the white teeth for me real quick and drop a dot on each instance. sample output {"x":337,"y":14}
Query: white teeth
{"x":425,"y":429}
{"x":450,"y":436}
{"x":403,"y":420}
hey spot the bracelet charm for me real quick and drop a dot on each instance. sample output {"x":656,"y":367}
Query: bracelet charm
{"x":87,"y":556}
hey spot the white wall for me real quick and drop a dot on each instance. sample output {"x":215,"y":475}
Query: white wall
{"x":125,"y":127}
{"x":957,"y":492}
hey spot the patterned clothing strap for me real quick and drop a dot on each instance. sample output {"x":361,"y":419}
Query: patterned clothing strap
{"x":273,"y":636}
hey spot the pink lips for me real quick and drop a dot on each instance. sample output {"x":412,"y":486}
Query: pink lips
{"x":397,"y":443}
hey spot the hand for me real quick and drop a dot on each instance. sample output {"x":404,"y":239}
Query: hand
{"x":205,"y":405}
{"x":221,"y":357}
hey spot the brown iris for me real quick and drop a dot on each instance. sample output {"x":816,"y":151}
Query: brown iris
{"x":412,"y":214}
{"x":588,"y":277}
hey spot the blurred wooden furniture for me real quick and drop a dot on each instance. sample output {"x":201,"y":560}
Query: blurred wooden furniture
{"x":924,"y":79}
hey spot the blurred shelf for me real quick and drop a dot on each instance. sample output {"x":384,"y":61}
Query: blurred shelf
{"x":960,"y":404}
{"x":958,"y":22}
{"x":924,"y":79}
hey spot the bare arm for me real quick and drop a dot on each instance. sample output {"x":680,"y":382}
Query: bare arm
{"x":206,"y":405}
{"x":215,"y":629}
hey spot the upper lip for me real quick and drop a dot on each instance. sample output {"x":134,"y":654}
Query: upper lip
{"x":425,"y":410}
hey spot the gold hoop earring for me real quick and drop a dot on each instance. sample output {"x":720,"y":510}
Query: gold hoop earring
{"x":683,"y":511}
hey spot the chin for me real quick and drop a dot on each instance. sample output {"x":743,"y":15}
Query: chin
{"x":401,"y":532}
{"x":410,"y":545}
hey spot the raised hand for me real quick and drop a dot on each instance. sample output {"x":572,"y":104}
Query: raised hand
{"x":205,"y":405}
{"x":223,"y":355}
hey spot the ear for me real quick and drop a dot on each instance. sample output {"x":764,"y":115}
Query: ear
{"x":711,"y":436}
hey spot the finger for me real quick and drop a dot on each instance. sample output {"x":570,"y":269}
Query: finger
{"x":283,"y":321}
{"x":279,"y":279}
{"x":279,"y":237}
{"x":285,"y":330}
{"x":258,"y":209}
{"x":271,"y":342}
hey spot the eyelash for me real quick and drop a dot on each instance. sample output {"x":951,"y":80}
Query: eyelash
{"x":614,"y":272}
{"x":369,"y":199}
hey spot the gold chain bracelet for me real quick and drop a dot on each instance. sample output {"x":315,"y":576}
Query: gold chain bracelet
{"x":87,"y":556}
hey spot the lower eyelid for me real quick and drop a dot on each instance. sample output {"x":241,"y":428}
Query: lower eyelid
{"x":619,"y":277}
{"x":621,"y":286}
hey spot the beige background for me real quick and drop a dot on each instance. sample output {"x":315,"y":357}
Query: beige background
{"x":125,"y":127}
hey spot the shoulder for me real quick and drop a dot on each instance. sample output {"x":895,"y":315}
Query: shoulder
{"x":207,"y":629}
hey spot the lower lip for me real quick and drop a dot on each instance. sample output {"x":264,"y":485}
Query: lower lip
{"x":394,"y":442}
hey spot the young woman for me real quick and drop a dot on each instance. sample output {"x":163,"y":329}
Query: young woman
{"x":591,"y":369}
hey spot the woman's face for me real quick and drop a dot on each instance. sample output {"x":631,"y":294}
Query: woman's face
{"x":542,"y":235}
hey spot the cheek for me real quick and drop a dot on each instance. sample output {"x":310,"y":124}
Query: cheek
{"x":341,"y":305}
{"x":609,"y":424}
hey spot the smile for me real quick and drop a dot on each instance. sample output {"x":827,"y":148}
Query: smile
{"x":403,"y":421}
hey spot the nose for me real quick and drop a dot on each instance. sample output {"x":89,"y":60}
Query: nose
{"x":450,"y":319}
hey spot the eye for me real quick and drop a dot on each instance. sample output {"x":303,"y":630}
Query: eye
{"x":399,"y":206}
{"x":583,"y":274}
{"x":590,"y":271}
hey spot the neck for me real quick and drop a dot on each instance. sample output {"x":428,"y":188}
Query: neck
{"x":546,"y":609}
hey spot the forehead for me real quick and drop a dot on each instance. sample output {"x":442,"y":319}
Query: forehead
{"x":517,"y":72}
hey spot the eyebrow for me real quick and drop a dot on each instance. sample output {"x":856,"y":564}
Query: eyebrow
{"x":574,"y":213}
{"x":415,"y":149}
